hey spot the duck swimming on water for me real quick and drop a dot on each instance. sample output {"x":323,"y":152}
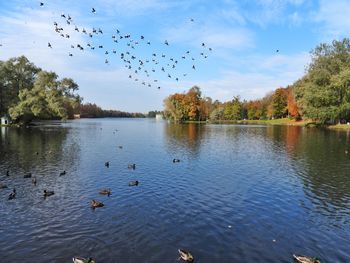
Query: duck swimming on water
{"x":105,"y":192}
{"x":304,"y":259}
{"x":176,"y":160}
{"x":13,"y":194}
{"x":95,"y":204}
{"x":48,"y":193}
{"x":132,"y":166}
{"x":83,"y":260}
{"x":134,"y":183}
{"x":185,"y":255}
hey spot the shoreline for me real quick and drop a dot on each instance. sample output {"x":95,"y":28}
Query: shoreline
{"x":275,"y":122}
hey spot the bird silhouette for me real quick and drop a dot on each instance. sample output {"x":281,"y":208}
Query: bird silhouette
{"x":93,"y":10}
{"x":12,"y":195}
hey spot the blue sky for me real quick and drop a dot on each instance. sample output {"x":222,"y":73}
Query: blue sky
{"x":244,"y":36}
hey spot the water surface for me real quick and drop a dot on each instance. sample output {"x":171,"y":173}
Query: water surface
{"x":239,"y":194}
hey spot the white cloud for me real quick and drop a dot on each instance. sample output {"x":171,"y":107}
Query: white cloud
{"x":295,"y":19}
{"x":334,"y":18}
{"x":251,"y":76}
{"x":266,"y":74}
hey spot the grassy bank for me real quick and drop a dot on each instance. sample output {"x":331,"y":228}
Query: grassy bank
{"x":284,"y":121}
{"x":339,"y":127}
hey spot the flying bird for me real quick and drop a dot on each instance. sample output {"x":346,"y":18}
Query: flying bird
{"x":41,"y":4}
{"x":93,"y":11}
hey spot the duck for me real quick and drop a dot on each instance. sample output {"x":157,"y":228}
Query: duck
{"x":176,"y":160}
{"x":34,"y":181}
{"x":107,"y":164}
{"x":185,"y":255}
{"x":28,"y":175}
{"x":13,"y":194}
{"x":133,"y":183}
{"x":62,"y":173}
{"x":305,"y":259}
{"x":132,"y":166}
{"x":83,"y":260}
{"x":95,"y":204}
{"x":105,"y":192}
{"x":7,"y":173}
{"x":120,"y":147}
{"x":48,"y":193}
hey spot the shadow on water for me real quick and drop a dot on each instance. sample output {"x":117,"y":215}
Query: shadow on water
{"x":182,"y":138}
{"x":25,"y":149}
{"x":322,"y":161}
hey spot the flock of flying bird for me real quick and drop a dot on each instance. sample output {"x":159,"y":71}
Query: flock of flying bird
{"x":142,"y":69}
{"x":138,"y":69}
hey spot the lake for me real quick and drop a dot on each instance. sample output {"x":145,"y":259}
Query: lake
{"x":239,"y":193}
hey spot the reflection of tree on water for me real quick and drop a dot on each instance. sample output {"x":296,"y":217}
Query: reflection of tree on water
{"x":320,"y":159}
{"x":184,"y":137}
{"x":32,"y":149}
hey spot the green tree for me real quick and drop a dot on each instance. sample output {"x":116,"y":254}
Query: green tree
{"x":217,"y":114}
{"x":46,"y":100}
{"x":16,"y":74}
{"x":233,"y":109}
{"x":324,"y":93}
{"x":279,"y":103}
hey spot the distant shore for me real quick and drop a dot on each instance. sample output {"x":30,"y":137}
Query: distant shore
{"x":281,"y":122}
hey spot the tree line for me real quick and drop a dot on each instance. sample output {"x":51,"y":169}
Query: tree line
{"x":27,"y":93}
{"x":322,"y":95}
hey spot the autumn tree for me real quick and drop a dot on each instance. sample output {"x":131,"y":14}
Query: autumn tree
{"x":279,"y":103}
{"x":292,"y":107}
